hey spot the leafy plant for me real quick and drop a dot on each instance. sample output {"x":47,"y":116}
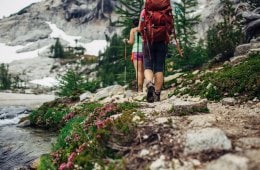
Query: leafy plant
{"x":242,"y":79}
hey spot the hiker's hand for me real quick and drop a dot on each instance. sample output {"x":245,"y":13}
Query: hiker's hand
{"x":125,"y":40}
{"x":180,"y":51}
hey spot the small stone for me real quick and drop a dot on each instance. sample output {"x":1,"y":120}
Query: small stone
{"x":230,"y":162}
{"x":255,"y":99}
{"x":172,"y":77}
{"x":229,"y":101}
{"x":144,"y":152}
{"x":136,"y":118}
{"x":197,"y":82}
{"x":196,"y":162}
{"x":25,"y":123}
{"x":85,"y":96}
{"x":145,"y":137}
{"x":195,"y":72}
{"x":159,"y":164}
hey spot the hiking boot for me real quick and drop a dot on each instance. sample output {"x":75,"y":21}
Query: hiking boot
{"x":150,"y":92}
{"x":157,"y":96}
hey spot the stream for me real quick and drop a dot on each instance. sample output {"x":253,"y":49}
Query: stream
{"x":19,"y":147}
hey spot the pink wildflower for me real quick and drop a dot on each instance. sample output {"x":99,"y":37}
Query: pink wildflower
{"x":63,"y":166}
{"x":72,"y":157}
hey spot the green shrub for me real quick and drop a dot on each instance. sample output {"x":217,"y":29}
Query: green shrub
{"x":128,"y":106}
{"x":46,"y":163}
{"x":50,"y":115}
{"x":73,"y":84}
{"x":243,"y":79}
{"x":84,"y":142}
{"x":70,"y":84}
{"x":66,"y":131}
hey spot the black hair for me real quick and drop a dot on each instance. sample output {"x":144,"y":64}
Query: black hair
{"x":135,"y":22}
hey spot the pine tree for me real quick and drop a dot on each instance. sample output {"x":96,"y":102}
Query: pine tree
{"x":226,"y":35}
{"x":5,"y":77}
{"x":57,"y":49}
{"x":185,"y":20}
{"x":112,"y":64}
{"x":128,"y":10}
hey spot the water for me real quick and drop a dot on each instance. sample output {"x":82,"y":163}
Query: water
{"x":20,"y":146}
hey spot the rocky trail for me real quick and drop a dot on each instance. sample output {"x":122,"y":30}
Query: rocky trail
{"x":227,"y":137}
{"x":190,"y":133}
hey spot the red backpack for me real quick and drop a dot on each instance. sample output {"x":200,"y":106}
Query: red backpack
{"x":157,"y":21}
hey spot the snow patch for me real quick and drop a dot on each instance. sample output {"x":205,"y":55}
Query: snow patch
{"x":47,"y":82}
{"x":92,"y":48}
{"x":58,"y":33}
{"x":9,"y":54}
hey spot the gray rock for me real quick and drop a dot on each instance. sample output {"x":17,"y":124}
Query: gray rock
{"x":181,"y":106}
{"x":229,"y":101}
{"x":202,"y":120}
{"x":242,"y":49}
{"x":108,"y":91}
{"x":195,"y":72}
{"x":255,"y":45}
{"x":172,"y":77}
{"x":254,"y":156}
{"x":249,"y":142}
{"x":206,"y":139}
{"x":237,"y":59}
{"x":159,"y":164}
{"x":85,"y":96}
{"x":25,"y":123}
{"x":229,"y":162}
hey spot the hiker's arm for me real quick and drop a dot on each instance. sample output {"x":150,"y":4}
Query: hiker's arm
{"x":177,"y":43}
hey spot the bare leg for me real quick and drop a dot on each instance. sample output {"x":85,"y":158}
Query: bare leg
{"x":148,"y":74}
{"x":140,"y":73}
{"x":158,"y":81}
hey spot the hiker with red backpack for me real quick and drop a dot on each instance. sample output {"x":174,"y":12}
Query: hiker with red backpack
{"x":156,"y":26}
{"x":137,"y":54}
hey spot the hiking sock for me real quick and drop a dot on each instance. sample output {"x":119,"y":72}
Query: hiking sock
{"x":157,"y":95}
{"x":150,"y":92}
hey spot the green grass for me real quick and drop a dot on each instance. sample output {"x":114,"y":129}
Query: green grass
{"x":243,"y":79}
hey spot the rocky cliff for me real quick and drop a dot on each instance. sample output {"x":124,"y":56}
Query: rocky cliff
{"x":87,"y":18}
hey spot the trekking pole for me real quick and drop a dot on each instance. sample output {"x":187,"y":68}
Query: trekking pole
{"x":125,"y":63}
{"x":137,"y":61}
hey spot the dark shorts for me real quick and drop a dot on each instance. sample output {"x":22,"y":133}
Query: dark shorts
{"x":137,"y":56}
{"x":154,"y":56}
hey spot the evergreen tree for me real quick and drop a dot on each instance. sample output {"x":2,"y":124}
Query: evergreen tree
{"x":5,"y":77}
{"x":127,"y":11}
{"x":193,"y":50}
{"x":70,"y":84}
{"x":57,"y":49}
{"x":226,"y":35}
{"x":185,"y":20}
{"x":113,"y":63}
